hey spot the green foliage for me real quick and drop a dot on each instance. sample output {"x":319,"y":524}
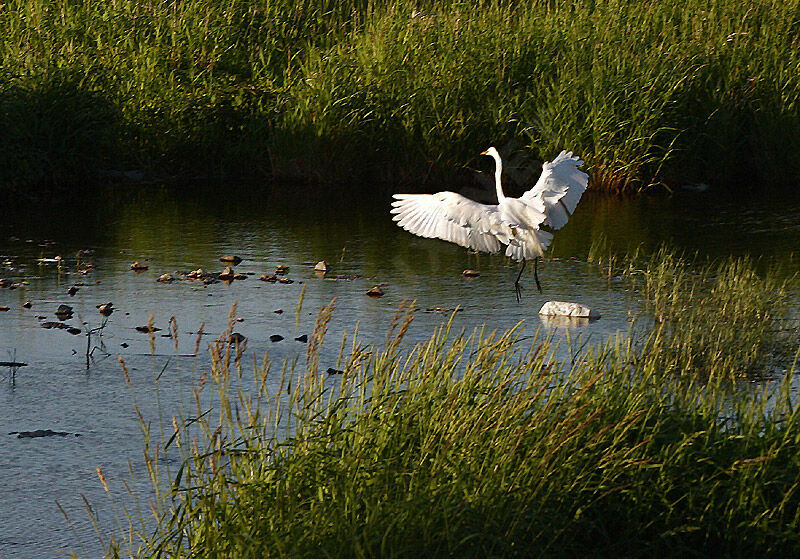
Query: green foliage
{"x":484,"y":445}
{"x":398,"y":91}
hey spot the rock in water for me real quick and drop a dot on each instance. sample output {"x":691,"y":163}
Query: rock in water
{"x":322,"y":266}
{"x":561,"y":308}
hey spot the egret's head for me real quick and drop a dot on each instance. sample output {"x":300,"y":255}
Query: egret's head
{"x":491,"y":151}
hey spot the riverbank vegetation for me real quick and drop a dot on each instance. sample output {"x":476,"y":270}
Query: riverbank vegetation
{"x":496,"y":444}
{"x":373,"y":92}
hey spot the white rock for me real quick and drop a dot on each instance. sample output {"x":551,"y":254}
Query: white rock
{"x":561,"y":308}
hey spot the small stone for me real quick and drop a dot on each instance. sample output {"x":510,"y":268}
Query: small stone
{"x":226,"y":274}
{"x":272,"y":278}
{"x":123,"y":344}
{"x":147,"y":329}
{"x":278,"y":311}
{"x":285,"y":280}
{"x":4,"y":308}
{"x":240,"y":276}
{"x":236,"y":338}
{"x":234,"y":260}
{"x":281,"y":269}
{"x":27,"y":304}
{"x":74,"y":331}
{"x":275,"y":338}
{"x":332,"y":371}
{"x":561,"y":308}
{"x":72,"y":291}
{"x":322,"y":266}
{"x":303,"y":339}
{"x":4,"y":283}
{"x":139,"y":267}
{"x":375,"y":292}
{"x":470,"y":273}
{"x":40,"y":433}
{"x":165,"y":278}
{"x":106,"y":309}
{"x":64,"y":312}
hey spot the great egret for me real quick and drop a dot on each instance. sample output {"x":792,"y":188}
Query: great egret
{"x":514,"y":222}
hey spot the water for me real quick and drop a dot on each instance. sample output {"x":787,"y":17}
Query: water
{"x":186,"y":231}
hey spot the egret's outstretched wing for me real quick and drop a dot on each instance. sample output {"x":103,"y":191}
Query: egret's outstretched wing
{"x":451,"y":217}
{"x":559,"y":189}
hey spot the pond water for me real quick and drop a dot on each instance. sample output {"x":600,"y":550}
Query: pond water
{"x":63,"y":390}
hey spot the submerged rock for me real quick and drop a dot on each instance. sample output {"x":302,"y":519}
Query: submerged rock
{"x":27,"y":304}
{"x":275,"y":338}
{"x":470,"y":273}
{"x":5,"y":283}
{"x":302,"y":339}
{"x":64,"y":312}
{"x":236,"y":338}
{"x":561,"y":308}
{"x":272,"y":278}
{"x":226,"y":274}
{"x":165,"y":278}
{"x":41,"y":433}
{"x":235,"y":260}
{"x":106,"y":308}
{"x":376,"y":291}
{"x":4,"y":308}
{"x":332,"y":371}
{"x":281,"y":269}
{"x":72,"y":291}
{"x":139,"y":267}
{"x":147,"y":329}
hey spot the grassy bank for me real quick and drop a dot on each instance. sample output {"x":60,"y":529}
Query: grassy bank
{"x":371,"y":90}
{"x":492,"y":445}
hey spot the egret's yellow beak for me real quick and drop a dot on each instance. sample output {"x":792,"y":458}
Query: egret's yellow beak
{"x":485,"y":152}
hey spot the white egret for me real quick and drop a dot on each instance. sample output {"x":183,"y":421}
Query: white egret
{"x":514,"y":222}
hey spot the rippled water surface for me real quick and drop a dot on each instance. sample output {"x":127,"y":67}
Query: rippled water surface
{"x":63,"y":390}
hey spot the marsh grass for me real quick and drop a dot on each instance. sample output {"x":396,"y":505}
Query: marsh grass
{"x":491,"y":444}
{"x":365,"y":91}
{"x":711,"y":320}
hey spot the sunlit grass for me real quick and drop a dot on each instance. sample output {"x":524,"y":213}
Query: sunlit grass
{"x":379,"y":90}
{"x":491,"y":444}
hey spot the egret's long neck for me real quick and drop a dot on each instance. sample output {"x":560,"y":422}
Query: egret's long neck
{"x":498,"y":171}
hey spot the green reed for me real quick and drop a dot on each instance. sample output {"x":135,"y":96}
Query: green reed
{"x":379,"y":90}
{"x":493,"y":444}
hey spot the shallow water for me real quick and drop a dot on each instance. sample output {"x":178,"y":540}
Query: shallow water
{"x":180,"y":232}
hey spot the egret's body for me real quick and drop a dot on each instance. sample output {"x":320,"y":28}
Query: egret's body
{"x":513,"y":222}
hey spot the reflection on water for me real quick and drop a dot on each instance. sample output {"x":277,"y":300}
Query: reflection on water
{"x":183,"y":232}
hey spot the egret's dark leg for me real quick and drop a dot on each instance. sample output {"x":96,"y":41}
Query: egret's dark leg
{"x":517,"y":286}
{"x":536,"y":273}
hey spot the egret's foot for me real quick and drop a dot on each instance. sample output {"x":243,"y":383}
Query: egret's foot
{"x":518,"y":291}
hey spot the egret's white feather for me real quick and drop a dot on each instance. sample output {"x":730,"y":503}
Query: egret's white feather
{"x":559,"y":189}
{"x":451,"y":217}
{"x":515,"y":222}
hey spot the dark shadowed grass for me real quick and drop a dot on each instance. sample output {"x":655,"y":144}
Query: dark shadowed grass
{"x":382,"y":91}
{"x":490,"y":445}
